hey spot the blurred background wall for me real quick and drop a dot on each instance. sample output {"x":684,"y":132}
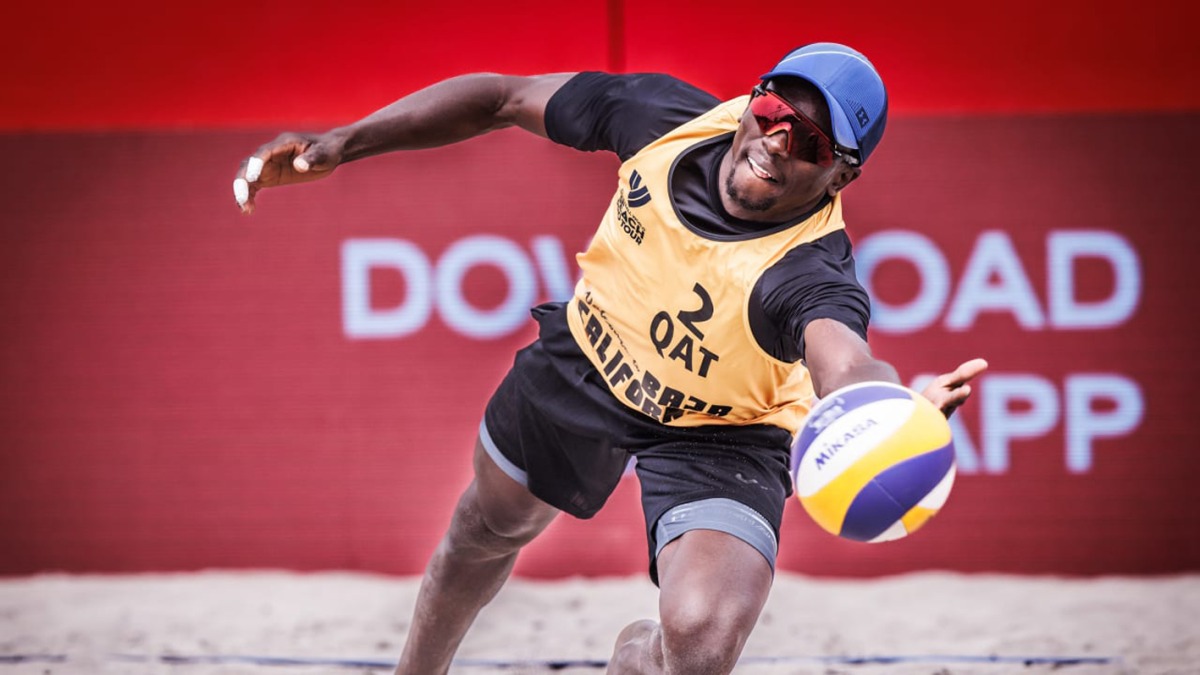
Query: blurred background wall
{"x":183,"y":387}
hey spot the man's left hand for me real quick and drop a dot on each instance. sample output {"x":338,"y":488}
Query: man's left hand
{"x":950,"y":390}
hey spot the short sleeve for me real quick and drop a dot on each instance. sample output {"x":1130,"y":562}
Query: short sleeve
{"x":621,"y":113}
{"x":813,"y":281}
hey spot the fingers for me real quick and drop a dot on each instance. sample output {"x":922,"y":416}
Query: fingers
{"x":971,"y":369}
{"x":950,"y":390}
{"x":964,"y":373}
{"x":241,"y":194}
{"x":241,"y":187}
{"x":290,"y":158}
{"x":249,"y":173}
{"x":247,"y":183}
{"x":254,"y":167}
{"x":315,"y":157}
{"x":955,"y":398}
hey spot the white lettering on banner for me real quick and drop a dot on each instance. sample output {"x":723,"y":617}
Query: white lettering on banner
{"x":999,"y":424}
{"x":1085,"y":424}
{"x":994,"y":257}
{"x":427,"y":285}
{"x":995,"y":280}
{"x":553,"y":262}
{"x":484,"y":250}
{"x":1063,"y":249}
{"x":932,"y":269}
{"x":359,"y":319}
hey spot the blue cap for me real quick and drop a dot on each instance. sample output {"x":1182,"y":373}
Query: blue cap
{"x":855,"y":93}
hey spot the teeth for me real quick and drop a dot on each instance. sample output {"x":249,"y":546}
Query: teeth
{"x":759,"y":171}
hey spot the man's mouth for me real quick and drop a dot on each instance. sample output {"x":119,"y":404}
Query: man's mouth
{"x":759,"y":170}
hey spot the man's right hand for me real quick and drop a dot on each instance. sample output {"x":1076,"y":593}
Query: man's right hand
{"x":289,"y":159}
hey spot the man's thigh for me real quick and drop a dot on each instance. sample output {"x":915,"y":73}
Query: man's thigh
{"x":556,"y":432}
{"x":732,"y":480}
{"x":508,"y":507}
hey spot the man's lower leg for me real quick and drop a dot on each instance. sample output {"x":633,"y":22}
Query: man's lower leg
{"x":460,"y":579}
{"x":493,"y":520}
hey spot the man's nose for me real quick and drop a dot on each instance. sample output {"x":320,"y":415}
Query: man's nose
{"x":778,"y":138}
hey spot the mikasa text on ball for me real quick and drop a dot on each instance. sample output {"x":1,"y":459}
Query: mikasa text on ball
{"x":873,"y":462}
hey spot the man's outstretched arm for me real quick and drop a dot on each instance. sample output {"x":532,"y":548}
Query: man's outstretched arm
{"x":836,"y":357}
{"x":447,"y":112}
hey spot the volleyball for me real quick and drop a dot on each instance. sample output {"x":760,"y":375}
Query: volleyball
{"x":873,"y":462}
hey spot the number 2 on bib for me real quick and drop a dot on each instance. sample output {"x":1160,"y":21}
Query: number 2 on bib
{"x":686,"y":350}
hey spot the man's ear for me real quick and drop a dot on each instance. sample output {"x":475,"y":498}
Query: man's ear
{"x":845,"y":176}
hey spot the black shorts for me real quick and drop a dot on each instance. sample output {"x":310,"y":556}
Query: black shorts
{"x":554,"y":426}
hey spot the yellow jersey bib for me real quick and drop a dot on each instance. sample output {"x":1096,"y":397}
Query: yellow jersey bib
{"x":662,"y":312}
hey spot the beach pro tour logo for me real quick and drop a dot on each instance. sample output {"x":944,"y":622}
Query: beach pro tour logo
{"x":639,"y":195}
{"x":629,"y":223}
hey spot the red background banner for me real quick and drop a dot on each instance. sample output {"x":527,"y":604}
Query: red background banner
{"x":181,"y":388}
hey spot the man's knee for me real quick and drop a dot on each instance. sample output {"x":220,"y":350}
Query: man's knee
{"x":700,"y":637}
{"x":713,"y":587}
{"x":477,"y":528}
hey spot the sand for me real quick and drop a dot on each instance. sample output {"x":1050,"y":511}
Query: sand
{"x":940,"y":623}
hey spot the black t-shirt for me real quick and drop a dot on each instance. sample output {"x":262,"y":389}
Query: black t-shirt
{"x":625,"y":113}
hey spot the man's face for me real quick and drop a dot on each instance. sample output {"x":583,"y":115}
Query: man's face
{"x":761,"y":181}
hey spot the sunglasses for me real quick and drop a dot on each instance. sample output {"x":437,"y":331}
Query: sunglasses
{"x":806,"y":141}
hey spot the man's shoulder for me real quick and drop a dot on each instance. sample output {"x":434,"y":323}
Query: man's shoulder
{"x":622,"y":112}
{"x":828,"y":256}
{"x":660,"y":88}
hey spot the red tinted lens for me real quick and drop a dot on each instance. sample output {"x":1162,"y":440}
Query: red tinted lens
{"x":806,"y":141}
